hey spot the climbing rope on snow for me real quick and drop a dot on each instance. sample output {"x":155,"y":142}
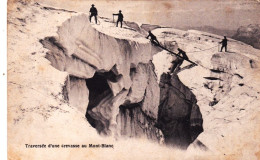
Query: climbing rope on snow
{"x":204,"y":49}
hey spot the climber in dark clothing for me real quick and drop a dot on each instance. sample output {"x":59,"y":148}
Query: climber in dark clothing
{"x":93,"y":12}
{"x":224,"y":44}
{"x":120,"y":18}
{"x":178,"y":61}
{"x":183,"y":54}
{"x":153,"y":38}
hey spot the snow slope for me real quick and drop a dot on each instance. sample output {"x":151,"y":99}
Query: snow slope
{"x":37,"y":112}
{"x":231,"y":127}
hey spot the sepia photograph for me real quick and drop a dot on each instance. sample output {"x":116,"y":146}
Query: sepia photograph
{"x":133,"y":80}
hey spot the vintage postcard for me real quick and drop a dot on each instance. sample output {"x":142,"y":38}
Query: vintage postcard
{"x":133,"y":80}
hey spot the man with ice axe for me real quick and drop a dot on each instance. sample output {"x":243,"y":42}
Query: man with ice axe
{"x":120,"y":18}
{"x":224,"y":44}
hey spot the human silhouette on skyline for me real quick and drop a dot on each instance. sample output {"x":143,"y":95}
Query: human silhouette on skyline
{"x":93,"y":12}
{"x":224,"y":44}
{"x":120,"y":18}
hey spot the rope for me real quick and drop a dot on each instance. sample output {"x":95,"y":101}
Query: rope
{"x":198,"y":64}
{"x":204,"y":49}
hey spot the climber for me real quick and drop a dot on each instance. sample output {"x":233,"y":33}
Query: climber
{"x":224,"y":44}
{"x":93,"y":12}
{"x":179,"y":60}
{"x":120,"y":18}
{"x":153,"y":38}
{"x":184,"y":55}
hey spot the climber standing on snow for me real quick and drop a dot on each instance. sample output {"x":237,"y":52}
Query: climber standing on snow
{"x":224,"y":44}
{"x":120,"y":18}
{"x":179,"y":60}
{"x":153,"y":38}
{"x":93,"y":12}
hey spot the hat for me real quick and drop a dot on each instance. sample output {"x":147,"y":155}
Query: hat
{"x":92,"y":5}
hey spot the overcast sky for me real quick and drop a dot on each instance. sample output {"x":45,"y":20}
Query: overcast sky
{"x":223,"y":14}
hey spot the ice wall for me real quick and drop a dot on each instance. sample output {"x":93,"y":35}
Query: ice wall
{"x":112,"y":78}
{"x":121,"y":57}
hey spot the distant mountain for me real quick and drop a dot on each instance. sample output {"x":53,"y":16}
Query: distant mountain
{"x":249,"y":34}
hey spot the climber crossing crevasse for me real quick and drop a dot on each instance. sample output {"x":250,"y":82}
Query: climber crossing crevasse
{"x":172,"y":53}
{"x":193,"y":64}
